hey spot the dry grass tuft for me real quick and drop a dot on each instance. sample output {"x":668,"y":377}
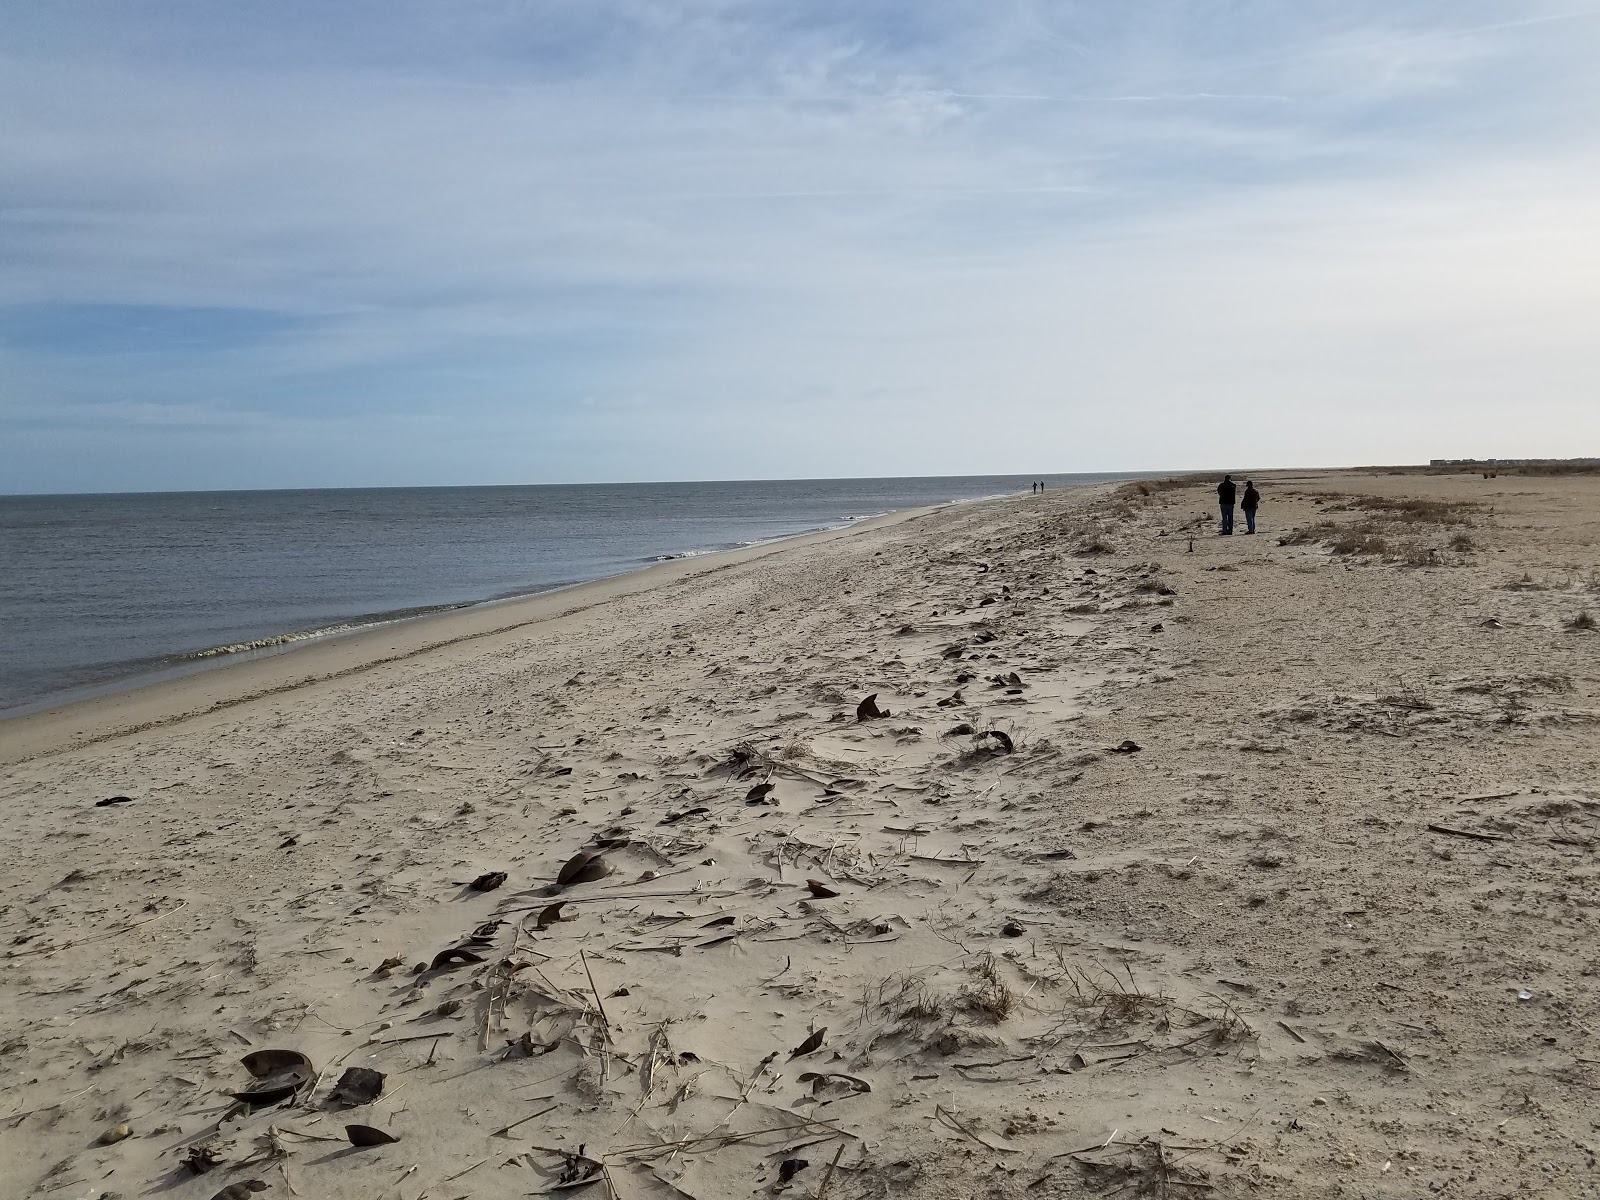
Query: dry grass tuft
{"x":988,"y":996}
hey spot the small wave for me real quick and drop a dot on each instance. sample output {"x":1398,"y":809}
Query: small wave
{"x":682,"y":554}
{"x":266,"y":643}
{"x":353,"y":625}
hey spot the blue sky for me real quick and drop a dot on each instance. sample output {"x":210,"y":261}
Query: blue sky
{"x":310,"y":244}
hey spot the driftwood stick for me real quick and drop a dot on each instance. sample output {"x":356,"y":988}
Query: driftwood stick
{"x":1468,"y":833}
{"x":822,"y":1192}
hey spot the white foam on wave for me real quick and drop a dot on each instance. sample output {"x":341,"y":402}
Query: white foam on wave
{"x":279,"y":639}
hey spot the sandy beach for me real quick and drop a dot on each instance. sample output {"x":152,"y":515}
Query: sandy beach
{"x":1043,"y":847}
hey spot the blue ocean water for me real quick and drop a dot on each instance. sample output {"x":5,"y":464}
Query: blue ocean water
{"x":107,"y":590}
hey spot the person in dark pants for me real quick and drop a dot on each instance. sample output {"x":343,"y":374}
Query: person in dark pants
{"x":1249,"y":502}
{"x":1225,"y":494}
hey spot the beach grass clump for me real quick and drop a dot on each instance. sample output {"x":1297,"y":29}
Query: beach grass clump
{"x":1415,"y":553}
{"x":1413,"y":510}
{"x":1149,"y":489}
{"x":1356,"y":543}
{"x":988,"y":997}
{"x":1321,"y":531}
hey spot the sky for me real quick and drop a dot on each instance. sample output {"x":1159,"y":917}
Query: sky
{"x":418,"y":242}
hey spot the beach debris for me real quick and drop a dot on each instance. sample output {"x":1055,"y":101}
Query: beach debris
{"x":960,"y":729}
{"x":811,"y":1045}
{"x":359,"y":1085}
{"x":790,"y":1167}
{"x":110,"y":800}
{"x":455,"y":956}
{"x":483,"y":934}
{"x":390,"y":963}
{"x":674,"y":818}
{"x":279,"y":1074}
{"x":448,"y":1009}
{"x":1009,"y":680}
{"x":868,"y":709}
{"x":201,"y":1159}
{"x":1470,"y":833}
{"x":241,"y":1190}
{"x":366,"y":1135}
{"x":586,"y":866}
{"x":715,"y":921}
{"x":488,"y":881}
{"x":578,"y":1170}
{"x":953,"y":651}
{"x":115,"y":1134}
{"x":1013,"y":929}
{"x":820,"y":890}
{"x":759,"y":794}
{"x":550,"y":914}
{"x":823,"y":1080}
{"x":1002,"y":738}
{"x":952,"y":701}
{"x":1126,"y":746}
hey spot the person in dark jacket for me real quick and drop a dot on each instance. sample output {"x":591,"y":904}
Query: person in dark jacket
{"x":1225,"y":494}
{"x":1248,"y":503}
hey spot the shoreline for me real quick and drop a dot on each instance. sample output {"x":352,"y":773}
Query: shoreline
{"x":169,"y":668}
{"x":186,"y":690}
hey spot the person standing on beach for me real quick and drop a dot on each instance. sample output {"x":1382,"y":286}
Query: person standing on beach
{"x":1248,"y":503}
{"x":1225,"y":493}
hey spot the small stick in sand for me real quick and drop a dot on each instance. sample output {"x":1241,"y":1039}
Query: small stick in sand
{"x":822,"y":1191}
{"x":605,"y":1021}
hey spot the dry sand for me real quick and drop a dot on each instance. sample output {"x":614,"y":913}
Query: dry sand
{"x":1326,"y":930}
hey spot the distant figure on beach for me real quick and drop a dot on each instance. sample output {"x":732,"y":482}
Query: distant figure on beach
{"x":1248,"y":502}
{"x":1034,"y":488}
{"x":1225,"y":493}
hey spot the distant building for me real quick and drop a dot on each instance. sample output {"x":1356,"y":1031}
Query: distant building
{"x":1511,"y":462}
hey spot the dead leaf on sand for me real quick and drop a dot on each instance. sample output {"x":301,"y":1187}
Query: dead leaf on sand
{"x":488,"y":881}
{"x":366,"y":1135}
{"x":550,"y":914}
{"x":279,"y":1074}
{"x":456,"y":956}
{"x":358,"y":1085}
{"x":583,"y":867}
{"x":811,"y":1045}
{"x":820,"y":890}
{"x":790,"y":1167}
{"x":759,"y":793}
{"x":1001,"y":737}
{"x":868,"y":709}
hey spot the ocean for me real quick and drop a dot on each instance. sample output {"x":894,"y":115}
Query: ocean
{"x":105,"y":591}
